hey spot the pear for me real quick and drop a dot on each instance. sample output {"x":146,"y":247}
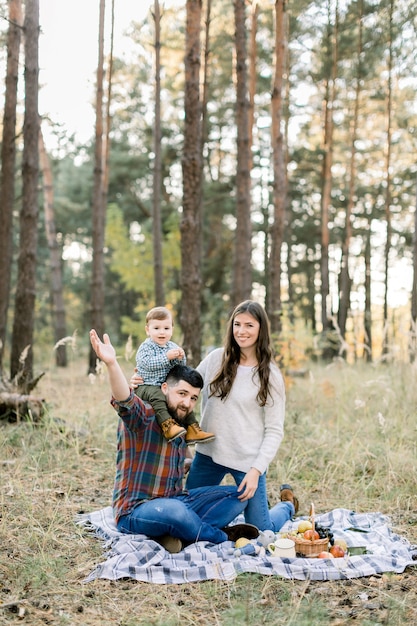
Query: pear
{"x":304,"y":525}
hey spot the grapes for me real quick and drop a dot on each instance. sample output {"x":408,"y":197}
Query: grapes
{"x":325,"y":533}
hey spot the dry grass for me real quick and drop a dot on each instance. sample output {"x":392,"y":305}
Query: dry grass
{"x":350,"y":442}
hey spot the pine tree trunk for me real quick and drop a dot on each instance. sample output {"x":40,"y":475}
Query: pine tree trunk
{"x":253,"y":54}
{"x":330,"y":94}
{"x":204,"y":245}
{"x":280,"y":176}
{"x":205,"y":96}
{"x":108,"y":118}
{"x":98,"y":216}
{"x":57,"y":297}
{"x":8,"y":163}
{"x":385,"y":344}
{"x":368,"y":303}
{"x":345,"y":280}
{"x":192,"y":179}
{"x":157,"y":171}
{"x":23,"y":326}
{"x":242,"y":270}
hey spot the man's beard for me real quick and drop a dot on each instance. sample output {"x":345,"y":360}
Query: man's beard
{"x":173,"y":412}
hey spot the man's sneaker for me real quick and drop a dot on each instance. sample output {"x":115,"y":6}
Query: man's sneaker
{"x":235,"y":532}
{"x":196,"y":435}
{"x":171,"y":430}
{"x":171,"y":544}
{"x":287,"y":495}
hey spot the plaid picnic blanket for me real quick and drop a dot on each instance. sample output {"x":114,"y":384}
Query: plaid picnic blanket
{"x":141,"y":558}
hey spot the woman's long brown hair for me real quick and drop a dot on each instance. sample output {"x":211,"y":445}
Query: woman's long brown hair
{"x":222,"y":383}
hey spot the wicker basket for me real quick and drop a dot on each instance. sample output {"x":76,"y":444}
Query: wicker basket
{"x":311,"y":547}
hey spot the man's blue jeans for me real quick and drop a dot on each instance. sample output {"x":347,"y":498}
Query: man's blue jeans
{"x":204,"y":471}
{"x":198,"y":515}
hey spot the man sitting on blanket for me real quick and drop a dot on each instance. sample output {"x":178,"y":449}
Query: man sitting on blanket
{"x":148,"y":496}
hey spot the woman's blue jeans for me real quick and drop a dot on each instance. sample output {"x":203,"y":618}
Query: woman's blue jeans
{"x":204,"y":471}
{"x":198,"y":515}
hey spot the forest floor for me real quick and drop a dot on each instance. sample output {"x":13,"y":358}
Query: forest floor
{"x":349,"y":442}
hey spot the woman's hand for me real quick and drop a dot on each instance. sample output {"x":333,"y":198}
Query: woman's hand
{"x":249,"y":485}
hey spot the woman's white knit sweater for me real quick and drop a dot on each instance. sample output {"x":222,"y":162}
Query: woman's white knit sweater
{"x":247,"y":435}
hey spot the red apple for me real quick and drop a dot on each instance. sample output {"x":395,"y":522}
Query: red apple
{"x":337,"y":551}
{"x":312,"y":535}
{"x":325,"y":555}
